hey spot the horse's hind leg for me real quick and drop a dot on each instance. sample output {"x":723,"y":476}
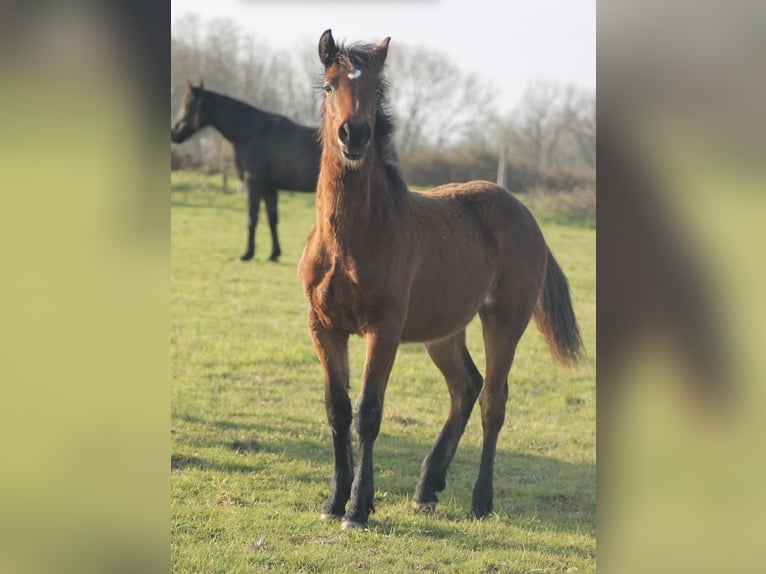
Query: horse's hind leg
{"x":464,"y":382}
{"x":271,"y":210}
{"x":502,"y":331}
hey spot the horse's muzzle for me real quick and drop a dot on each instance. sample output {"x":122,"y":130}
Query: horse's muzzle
{"x":179,"y":132}
{"x":354,"y":139}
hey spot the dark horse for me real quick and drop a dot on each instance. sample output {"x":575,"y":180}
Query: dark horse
{"x":394,"y":265}
{"x":271,"y":152}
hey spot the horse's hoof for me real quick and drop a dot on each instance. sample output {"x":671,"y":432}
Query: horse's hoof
{"x":426,"y":507}
{"x":479,"y":513}
{"x":246,"y":256}
{"x":347,"y":524}
{"x":324,"y":515}
{"x":274,"y":258}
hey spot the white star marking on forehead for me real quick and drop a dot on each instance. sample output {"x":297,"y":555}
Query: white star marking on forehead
{"x":354,"y":74}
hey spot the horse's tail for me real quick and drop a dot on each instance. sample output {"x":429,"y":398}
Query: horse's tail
{"x":555,"y":316}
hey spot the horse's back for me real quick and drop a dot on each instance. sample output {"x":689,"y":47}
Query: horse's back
{"x":485,"y":204}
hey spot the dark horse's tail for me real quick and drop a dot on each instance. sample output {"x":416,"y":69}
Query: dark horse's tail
{"x":555,"y":316}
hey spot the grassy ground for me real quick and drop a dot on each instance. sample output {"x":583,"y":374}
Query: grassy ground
{"x":251,"y":449}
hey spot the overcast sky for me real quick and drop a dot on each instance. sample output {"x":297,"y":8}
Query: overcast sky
{"x":505,"y":43}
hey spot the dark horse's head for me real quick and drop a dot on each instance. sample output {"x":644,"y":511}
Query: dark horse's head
{"x":192,"y":116}
{"x":353,"y":90}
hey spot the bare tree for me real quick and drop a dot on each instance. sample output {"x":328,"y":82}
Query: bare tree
{"x":435,"y":104}
{"x":552,"y":127}
{"x":535,"y":127}
{"x":575,"y":129}
{"x":582,"y":127}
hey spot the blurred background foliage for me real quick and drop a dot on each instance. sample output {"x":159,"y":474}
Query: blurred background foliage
{"x":451,"y":126}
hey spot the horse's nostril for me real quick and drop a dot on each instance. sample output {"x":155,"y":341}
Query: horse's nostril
{"x":344,"y":132}
{"x":364,"y":133}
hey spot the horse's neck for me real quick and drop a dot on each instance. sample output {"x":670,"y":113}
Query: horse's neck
{"x":352,"y":203}
{"x":234,"y":119}
{"x":343,"y":199}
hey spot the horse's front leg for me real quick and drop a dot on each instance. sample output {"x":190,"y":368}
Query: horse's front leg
{"x":254,"y":192}
{"x":332,"y":349}
{"x":381,"y":351}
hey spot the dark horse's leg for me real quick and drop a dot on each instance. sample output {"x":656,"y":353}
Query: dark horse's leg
{"x":464,"y":382}
{"x":271,"y":210}
{"x":381,"y":351}
{"x":332,"y":349}
{"x":502,"y":330}
{"x":254,"y":192}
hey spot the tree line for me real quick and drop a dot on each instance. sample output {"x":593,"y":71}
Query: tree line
{"x":449,"y":125}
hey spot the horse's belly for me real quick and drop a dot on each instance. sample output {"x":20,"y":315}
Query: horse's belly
{"x":436,"y":311}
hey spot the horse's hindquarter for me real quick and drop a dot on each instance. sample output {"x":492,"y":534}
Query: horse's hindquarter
{"x":471,"y":237}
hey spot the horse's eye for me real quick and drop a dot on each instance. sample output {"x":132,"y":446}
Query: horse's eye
{"x":327,"y":89}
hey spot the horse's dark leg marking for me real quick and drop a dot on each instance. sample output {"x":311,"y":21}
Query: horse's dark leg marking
{"x":271,"y":209}
{"x":464,"y":383}
{"x":254,"y":192}
{"x":381,"y":351}
{"x":332,"y":350}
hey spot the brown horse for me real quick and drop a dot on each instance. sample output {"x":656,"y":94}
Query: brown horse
{"x":271,"y":152}
{"x":395,"y":265}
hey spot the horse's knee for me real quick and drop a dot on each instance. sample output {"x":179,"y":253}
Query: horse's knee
{"x":338,"y":409}
{"x":369,"y":413}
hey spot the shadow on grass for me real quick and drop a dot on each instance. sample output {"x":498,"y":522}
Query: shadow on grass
{"x":528,"y":488}
{"x":181,"y":462}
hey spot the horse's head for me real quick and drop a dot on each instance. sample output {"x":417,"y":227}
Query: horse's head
{"x":191,"y":116}
{"x":352,"y":88}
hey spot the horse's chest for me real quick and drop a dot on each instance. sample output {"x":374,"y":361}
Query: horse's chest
{"x":335,"y":297}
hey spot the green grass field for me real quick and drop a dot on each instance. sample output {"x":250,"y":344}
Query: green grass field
{"x":251,"y":448}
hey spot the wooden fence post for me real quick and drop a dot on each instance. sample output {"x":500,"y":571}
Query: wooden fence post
{"x":502,"y":164}
{"x":224,"y":167}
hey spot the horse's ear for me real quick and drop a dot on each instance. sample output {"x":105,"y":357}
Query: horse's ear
{"x":201,"y":84}
{"x":327,"y":48}
{"x":381,"y":51}
{"x":189,"y":85}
